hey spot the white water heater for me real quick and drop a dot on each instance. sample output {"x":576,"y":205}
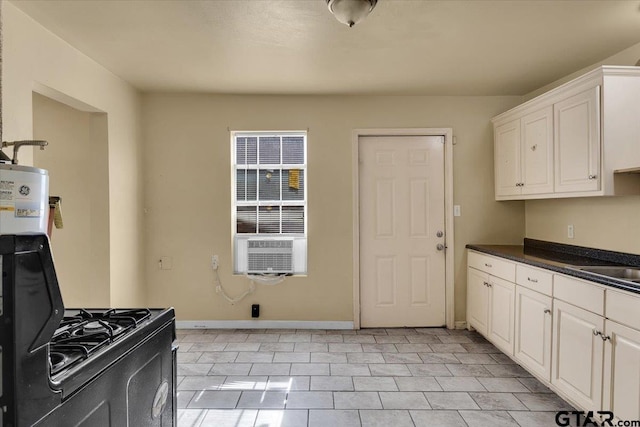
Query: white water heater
{"x":24,"y":199}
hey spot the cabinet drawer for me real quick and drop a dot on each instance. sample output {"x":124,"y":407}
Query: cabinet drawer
{"x":534,"y":279}
{"x":495,"y":266}
{"x":579,"y":293}
{"x":623,"y":308}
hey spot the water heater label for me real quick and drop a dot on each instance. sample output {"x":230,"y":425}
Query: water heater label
{"x":6,"y":190}
{"x":24,"y":197}
{"x":18,"y":198}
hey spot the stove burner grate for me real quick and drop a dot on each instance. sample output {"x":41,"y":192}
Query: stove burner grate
{"x":88,"y":331}
{"x":63,"y":357}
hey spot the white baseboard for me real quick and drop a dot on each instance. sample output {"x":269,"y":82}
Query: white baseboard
{"x":262,"y":324}
{"x":460,"y":325}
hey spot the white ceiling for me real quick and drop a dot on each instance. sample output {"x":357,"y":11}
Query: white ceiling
{"x":297,"y":47}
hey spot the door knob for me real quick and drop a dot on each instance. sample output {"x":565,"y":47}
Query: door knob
{"x":440,"y":247}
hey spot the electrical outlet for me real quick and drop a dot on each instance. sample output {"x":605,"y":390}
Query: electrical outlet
{"x":214,"y":262}
{"x":570,"y":233}
{"x":165,"y":263}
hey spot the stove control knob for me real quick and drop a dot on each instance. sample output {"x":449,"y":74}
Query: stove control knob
{"x":160,"y":400}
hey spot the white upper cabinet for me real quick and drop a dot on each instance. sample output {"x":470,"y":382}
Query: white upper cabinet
{"x":537,"y":152}
{"x":577,"y":142}
{"x":524,"y":155}
{"x":507,"y":159}
{"x":579,"y":139}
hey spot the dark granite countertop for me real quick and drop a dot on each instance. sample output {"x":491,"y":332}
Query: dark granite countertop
{"x":558,"y":257}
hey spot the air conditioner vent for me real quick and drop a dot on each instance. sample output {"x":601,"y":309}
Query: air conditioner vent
{"x":270,"y":256}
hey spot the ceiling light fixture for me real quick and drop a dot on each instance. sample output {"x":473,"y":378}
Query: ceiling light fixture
{"x":350,"y":12}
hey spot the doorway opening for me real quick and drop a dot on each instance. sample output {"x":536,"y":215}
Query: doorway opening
{"x":78,"y":164}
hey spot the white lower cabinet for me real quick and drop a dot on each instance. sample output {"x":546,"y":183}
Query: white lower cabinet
{"x":501,"y":314}
{"x":490,"y":308}
{"x":478,"y":300}
{"x":533,"y":331}
{"x":577,"y":354}
{"x":580,"y":338}
{"x":621,"y":392}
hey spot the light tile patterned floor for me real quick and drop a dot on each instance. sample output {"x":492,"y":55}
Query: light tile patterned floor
{"x":371,"y":377}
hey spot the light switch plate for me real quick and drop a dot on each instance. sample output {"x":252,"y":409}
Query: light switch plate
{"x":456,"y":210}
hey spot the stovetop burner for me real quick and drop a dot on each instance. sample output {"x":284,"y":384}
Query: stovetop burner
{"x":83,"y":332}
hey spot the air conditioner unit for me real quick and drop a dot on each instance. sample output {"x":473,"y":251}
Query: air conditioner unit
{"x":269,"y":256}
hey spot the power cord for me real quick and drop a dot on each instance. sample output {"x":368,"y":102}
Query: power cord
{"x":220,"y":290}
{"x":264,"y":279}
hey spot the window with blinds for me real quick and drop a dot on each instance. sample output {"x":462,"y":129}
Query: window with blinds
{"x":270,"y":195}
{"x":270,"y":183}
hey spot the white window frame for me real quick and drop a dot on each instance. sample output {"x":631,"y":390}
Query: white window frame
{"x":239,"y":239}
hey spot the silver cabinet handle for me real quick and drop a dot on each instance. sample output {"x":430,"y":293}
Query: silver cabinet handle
{"x":605,"y":337}
{"x":593,"y":176}
{"x":532,"y":280}
{"x":485,"y":283}
{"x":547,"y":311}
{"x":489,"y":285}
{"x":597,"y":332}
{"x":487,"y":265}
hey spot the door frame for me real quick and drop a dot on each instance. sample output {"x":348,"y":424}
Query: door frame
{"x":447,"y":133}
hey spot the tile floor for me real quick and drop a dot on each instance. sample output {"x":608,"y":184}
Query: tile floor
{"x":371,"y":377}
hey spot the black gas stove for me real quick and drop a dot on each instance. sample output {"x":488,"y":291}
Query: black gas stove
{"x":77,"y":367}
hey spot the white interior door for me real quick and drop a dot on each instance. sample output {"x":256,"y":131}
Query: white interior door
{"x":402,"y":266}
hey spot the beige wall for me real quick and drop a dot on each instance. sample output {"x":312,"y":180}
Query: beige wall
{"x":188,"y":206}
{"x":76,"y":159}
{"x":607,"y":223}
{"x":600,"y":222}
{"x":36,"y":60}
{"x":629,"y":56}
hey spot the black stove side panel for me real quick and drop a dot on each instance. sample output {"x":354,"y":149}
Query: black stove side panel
{"x":32,"y":310}
{"x":137,"y":390}
{"x":7,"y":396}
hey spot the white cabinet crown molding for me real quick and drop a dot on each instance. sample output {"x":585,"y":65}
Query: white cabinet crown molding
{"x":588,"y":80}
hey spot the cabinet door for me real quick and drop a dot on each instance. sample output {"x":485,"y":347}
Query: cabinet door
{"x":537,"y":152}
{"x":533,"y":331}
{"x":621,"y":393}
{"x":577,"y":142}
{"x":577,"y":354}
{"x":477,"y":300}
{"x":501,"y":314}
{"x":507,"y":159}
